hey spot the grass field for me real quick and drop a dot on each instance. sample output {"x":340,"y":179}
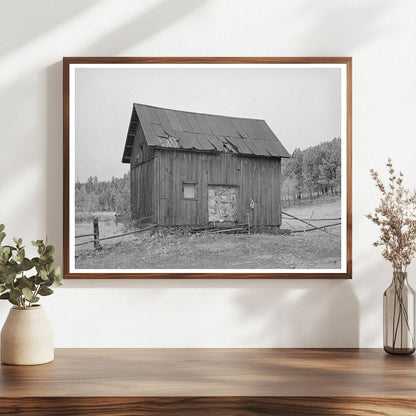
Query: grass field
{"x":310,"y":210}
{"x":107,"y":226}
{"x":161,"y":250}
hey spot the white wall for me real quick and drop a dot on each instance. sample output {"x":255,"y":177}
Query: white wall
{"x":380,"y":35}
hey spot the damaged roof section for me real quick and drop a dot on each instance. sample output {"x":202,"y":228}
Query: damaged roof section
{"x":174,"y":129}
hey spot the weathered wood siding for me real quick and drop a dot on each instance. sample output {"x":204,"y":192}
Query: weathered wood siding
{"x":257,"y":178}
{"x":142,"y":178}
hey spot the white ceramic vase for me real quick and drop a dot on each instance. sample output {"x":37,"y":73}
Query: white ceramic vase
{"x":27,"y":337}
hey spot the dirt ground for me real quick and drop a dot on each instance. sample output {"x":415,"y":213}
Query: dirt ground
{"x":212,"y":251}
{"x":161,"y":250}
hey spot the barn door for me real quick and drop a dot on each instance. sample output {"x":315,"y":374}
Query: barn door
{"x":222,"y":203}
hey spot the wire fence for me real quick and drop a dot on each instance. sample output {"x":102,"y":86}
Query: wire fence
{"x":96,"y":234}
{"x":308,"y":222}
{"x":96,"y":241}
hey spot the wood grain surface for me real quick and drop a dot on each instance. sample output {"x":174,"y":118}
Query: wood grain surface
{"x":212,"y":381}
{"x":208,"y":406}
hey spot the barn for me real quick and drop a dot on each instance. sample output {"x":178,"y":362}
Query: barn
{"x":194,"y":169}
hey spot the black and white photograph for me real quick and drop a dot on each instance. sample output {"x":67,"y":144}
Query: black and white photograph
{"x":210,"y":168}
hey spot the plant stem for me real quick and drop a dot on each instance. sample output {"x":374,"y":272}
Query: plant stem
{"x":401,"y":314}
{"x":394,"y":315}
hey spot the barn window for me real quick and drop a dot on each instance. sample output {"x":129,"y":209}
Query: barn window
{"x":189,"y":190}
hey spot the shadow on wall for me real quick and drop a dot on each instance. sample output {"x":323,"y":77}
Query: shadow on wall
{"x":156,"y":18}
{"x":375,"y":276}
{"x":26,"y":92}
{"x":300,"y":313}
{"x":261,"y":313}
{"x":337,"y":17}
{"x":54,"y":145}
{"x":44,"y":17}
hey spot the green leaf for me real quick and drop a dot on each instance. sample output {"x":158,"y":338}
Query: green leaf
{"x":24,"y":282}
{"x":7,"y":296}
{"x":45,"y":291}
{"x":2,"y":236}
{"x":58,"y":280}
{"x":27,"y":293}
{"x":41,"y":249}
{"x":48,"y":260}
{"x":48,"y":282}
{"x":43,"y":274}
{"x":2,"y":288}
{"x":9,"y":277}
{"x":15,"y":294}
{"x":49,"y":250}
{"x":4,"y":255}
{"x":21,"y":255}
{"x":26,"y":264}
{"x":17,"y":241}
{"x":57,"y":272}
{"x":5,"y":250}
{"x":37,"y":243}
{"x":38,"y":280}
{"x":2,"y":227}
{"x":11,"y":248}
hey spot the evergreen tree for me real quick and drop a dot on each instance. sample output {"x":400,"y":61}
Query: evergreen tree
{"x":313,"y":171}
{"x":94,"y":195}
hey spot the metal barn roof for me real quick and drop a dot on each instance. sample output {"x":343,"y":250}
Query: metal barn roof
{"x":174,"y":129}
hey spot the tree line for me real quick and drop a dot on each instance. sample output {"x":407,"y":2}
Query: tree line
{"x":309,"y":173}
{"x":94,"y":195}
{"x":312,"y":172}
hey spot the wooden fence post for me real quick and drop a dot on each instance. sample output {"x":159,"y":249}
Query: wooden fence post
{"x":96,"y":234}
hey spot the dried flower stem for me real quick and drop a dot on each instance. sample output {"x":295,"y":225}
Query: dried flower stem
{"x":396,"y":217}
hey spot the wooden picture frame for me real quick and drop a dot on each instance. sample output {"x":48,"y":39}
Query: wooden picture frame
{"x":310,"y":89}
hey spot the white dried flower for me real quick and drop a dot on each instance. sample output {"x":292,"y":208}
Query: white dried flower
{"x":396,"y":217}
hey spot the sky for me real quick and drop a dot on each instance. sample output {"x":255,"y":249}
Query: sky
{"x":301,"y":105}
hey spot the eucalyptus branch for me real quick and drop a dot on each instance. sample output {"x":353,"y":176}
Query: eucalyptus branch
{"x":15,"y":286}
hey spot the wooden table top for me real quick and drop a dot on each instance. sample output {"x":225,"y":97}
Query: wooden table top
{"x":214,"y":372}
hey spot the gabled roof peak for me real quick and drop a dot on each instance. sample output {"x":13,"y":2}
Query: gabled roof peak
{"x":186,"y":130}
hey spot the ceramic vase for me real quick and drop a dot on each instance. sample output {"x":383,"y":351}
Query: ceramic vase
{"x":27,"y":337}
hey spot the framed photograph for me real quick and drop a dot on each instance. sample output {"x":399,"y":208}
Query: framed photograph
{"x":207,"y":167}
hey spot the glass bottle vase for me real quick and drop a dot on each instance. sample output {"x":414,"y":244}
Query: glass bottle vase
{"x":399,"y":316}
